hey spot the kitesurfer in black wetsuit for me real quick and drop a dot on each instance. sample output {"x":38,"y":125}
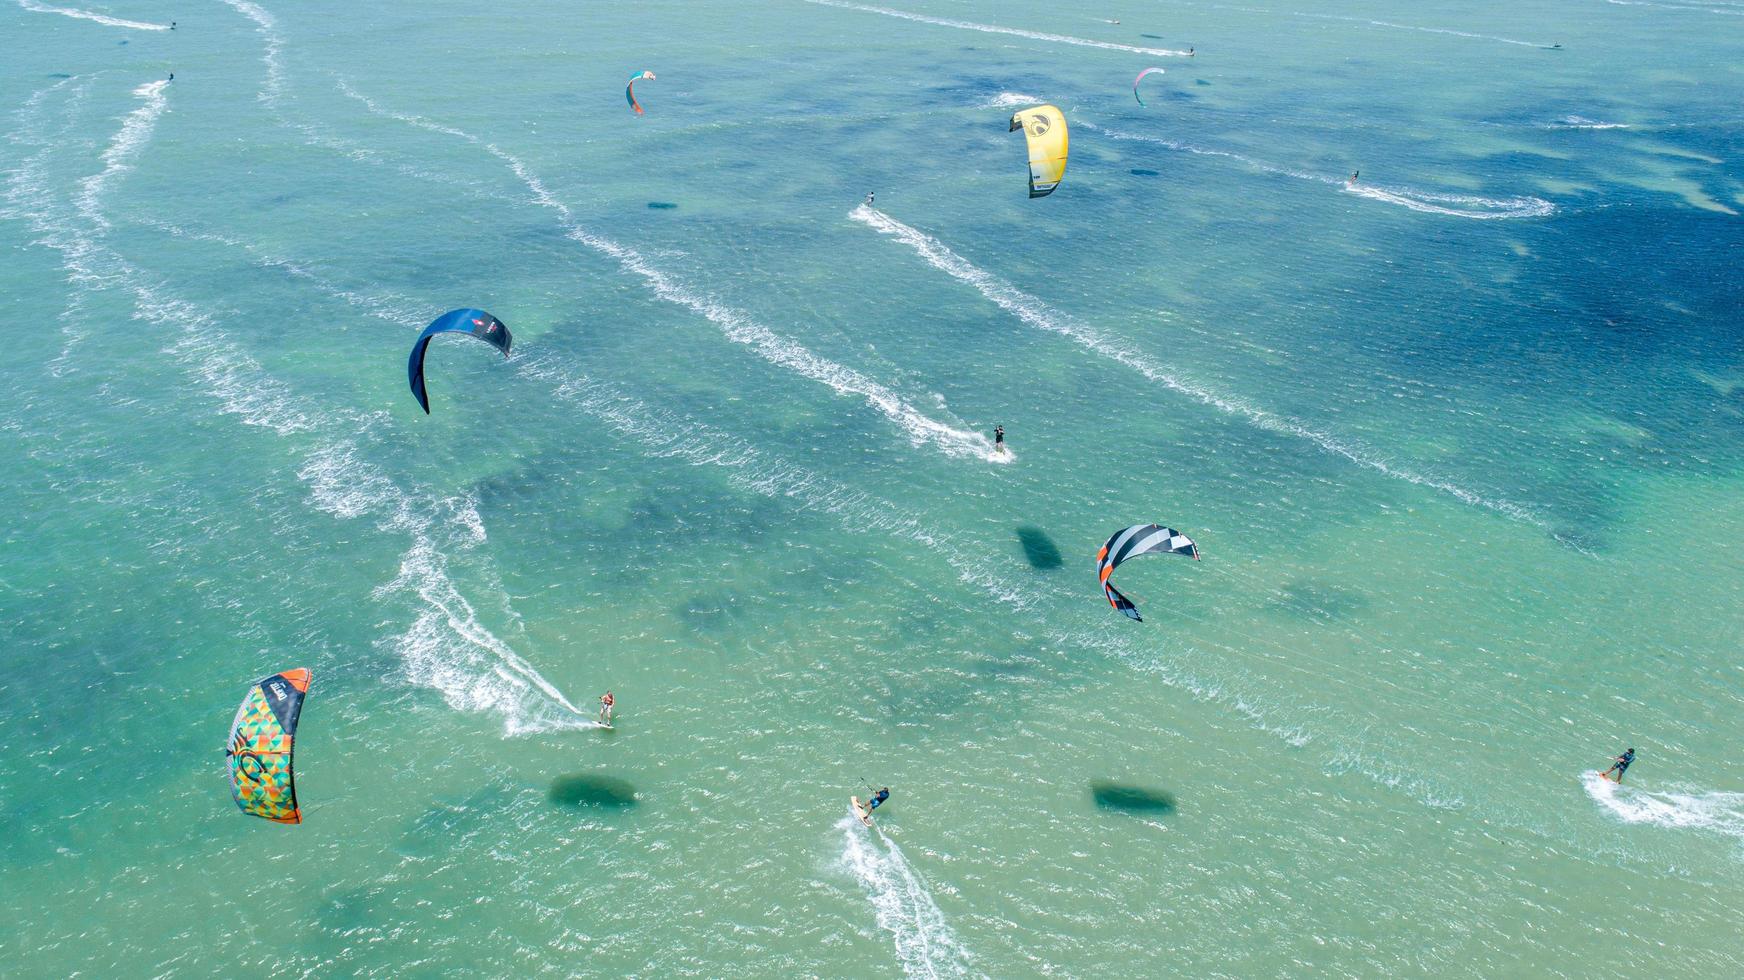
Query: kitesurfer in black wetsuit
{"x":999,"y":439}
{"x":1621,"y":765}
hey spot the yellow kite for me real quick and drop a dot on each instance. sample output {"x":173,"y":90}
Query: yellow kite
{"x":1045,"y":128}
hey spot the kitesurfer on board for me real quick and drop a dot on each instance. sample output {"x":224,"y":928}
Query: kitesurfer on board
{"x":1620,"y":765}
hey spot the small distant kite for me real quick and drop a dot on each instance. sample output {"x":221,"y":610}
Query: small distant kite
{"x":261,"y":742}
{"x":1131,"y":542}
{"x":1044,"y":129}
{"x":630,"y":90}
{"x":1140,"y":78}
{"x":478,"y":323}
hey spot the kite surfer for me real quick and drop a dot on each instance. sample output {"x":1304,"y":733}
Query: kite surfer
{"x":1353,"y":176}
{"x":607,"y":702}
{"x":999,"y":439}
{"x":869,"y":198}
{"x":1620,"y":766}
{"x":864,"y":811}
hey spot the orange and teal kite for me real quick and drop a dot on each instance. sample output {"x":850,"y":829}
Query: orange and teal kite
{"x":261,"y":740}
{"x":630,"y":89}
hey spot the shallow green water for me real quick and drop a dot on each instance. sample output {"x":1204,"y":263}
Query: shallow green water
{"x":1460,"y":443}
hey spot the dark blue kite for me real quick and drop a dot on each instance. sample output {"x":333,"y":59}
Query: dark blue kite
{"x":475,"y":322}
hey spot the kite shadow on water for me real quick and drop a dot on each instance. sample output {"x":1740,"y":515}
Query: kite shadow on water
{"x":1127,"y":798}
{"x":589,"y":790}
{"x":1038,"y":548}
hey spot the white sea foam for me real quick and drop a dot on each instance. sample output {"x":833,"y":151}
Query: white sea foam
{"x":902,"y":904}
{"x":1039,"y":315}
{"x":1442,"y":30}
{"x":1391,"y":25}
{"x":135,"y":133}
{"x":995,"y":29}
{"x":1009,"y":100}
{"x":1718,"y":812}
{"x":1452,"y":205}
{"x":1724,"y":10}
{"x":735,"y":325}
{"x":1581,"y":122}
{"x":273,"y":54}
{"x":448,"y":648}
{"x":104,"y":19}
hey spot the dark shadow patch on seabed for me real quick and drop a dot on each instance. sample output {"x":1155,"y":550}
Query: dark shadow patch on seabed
{"x":661,"y":205}
{"x":1039,"y":549}
{"x":587,"y":790}
{"x":1127,"y":798}
{"x":1141,"y":172}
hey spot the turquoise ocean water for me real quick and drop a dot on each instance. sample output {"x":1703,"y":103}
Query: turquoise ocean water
{"x":1463,"y":446}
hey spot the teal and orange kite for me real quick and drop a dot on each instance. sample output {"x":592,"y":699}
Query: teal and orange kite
{"x":261,"y":741}
{"x":630,"y":89}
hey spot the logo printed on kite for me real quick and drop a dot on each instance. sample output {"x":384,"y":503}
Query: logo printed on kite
{"x":1038,"y":125}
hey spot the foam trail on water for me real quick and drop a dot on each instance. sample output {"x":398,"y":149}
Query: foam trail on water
{"x":1699,"y":8}
{"x":1009,"y":100}
{"x":735,"y":325}
{"x":1581,"y":122}
{"x":1452,"y":205}
{"x":995,"y":29}
{"x":903,"y":905}
{"x":273,"y":55}
{"x":104,"y":19}
{"x":447,"y":647}
{"x":1437,"y":30}
{"x":1039,"y":315}
{"x":275,"y":92}
{"x":1718,"y":812}
{"x":1392,"y":25}
{"x":25,"y":193}
{"x":136,"y":131}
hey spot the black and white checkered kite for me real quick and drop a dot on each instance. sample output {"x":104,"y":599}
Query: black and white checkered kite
{"x":1131,"y":542}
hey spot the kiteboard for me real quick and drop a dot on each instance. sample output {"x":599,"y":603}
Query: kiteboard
{"x":864,"y":814}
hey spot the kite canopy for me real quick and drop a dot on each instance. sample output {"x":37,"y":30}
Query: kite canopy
{"x":475,"y":322}
{"x":1044,"y":127}
{"x":1131,"y":542}
{"x":1140,"y":78}
{"x":261,"y":741}
{"x":630,"y":90}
